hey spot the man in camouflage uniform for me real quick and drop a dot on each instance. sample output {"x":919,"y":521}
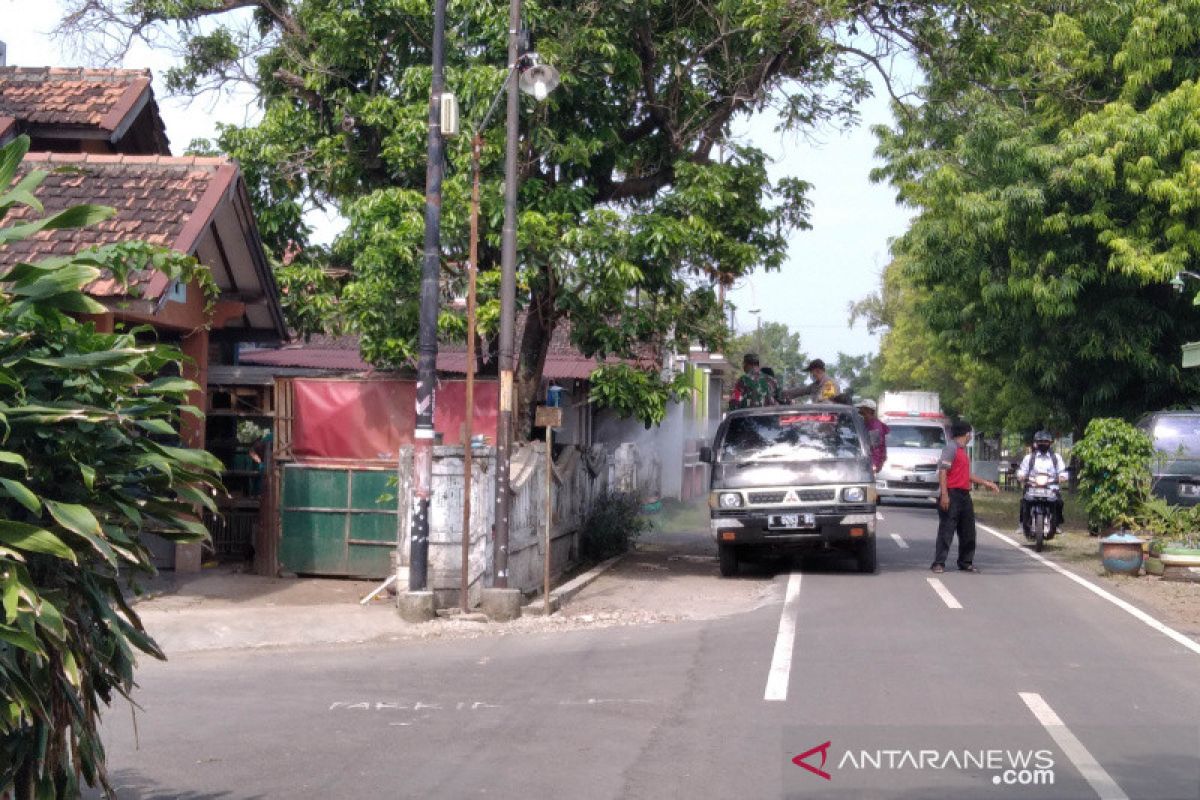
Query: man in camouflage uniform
{"x":754,"y":389}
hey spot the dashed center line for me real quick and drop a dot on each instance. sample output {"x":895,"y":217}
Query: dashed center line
{"x":781,"y":661}
{"x":903,"y":545}
{"x":944,"y":593}
{"x":1088,"y":767}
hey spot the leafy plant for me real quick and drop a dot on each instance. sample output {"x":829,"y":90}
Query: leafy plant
{"x":88,"y":463}
{"x":248,"y":432}
{"x":1170,"y":524}
{"x":1114,"y":478}
{"x":613,"y":525}
{"x":634,"y":392}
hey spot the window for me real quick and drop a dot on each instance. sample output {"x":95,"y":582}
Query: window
{"x":791,"y":436}
{"x":925,"y":437}
{"x":1178,"y":436}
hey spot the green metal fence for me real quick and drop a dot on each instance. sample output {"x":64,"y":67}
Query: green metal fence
{"x":337,"y":520}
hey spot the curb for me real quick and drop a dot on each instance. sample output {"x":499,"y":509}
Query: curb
{"x":561,"y":595}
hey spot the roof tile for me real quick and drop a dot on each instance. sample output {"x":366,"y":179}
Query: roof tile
{"x":59,"y":96}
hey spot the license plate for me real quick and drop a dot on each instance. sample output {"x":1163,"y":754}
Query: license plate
{"x":1189,"y":489}
{"x":791,"y":521}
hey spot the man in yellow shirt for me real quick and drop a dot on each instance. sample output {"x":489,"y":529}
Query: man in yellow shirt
{"x":823,"y":388}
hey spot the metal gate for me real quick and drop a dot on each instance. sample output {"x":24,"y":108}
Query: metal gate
{"x":338,"y":520}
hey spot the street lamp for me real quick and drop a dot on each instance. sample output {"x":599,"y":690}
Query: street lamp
{"x":537,"y":79}
{"x":1177,"y":281}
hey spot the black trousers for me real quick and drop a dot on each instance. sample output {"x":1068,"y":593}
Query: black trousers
{"x":960,"y":519}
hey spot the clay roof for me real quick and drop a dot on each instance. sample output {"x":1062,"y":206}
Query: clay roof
{"x":159,"y":199}
{"x":105,"y":99}
{"x":563,"y":361}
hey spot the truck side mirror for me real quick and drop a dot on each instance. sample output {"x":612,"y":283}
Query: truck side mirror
{"x":706,"y":454}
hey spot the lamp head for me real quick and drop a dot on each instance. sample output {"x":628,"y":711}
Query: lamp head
{"x":1177,"y":283}
{"x":538,"y":79}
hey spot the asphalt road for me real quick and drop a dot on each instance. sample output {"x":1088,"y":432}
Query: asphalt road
{"x":1017,"y":682}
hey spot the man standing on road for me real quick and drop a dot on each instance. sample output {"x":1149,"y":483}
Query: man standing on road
{"x":956,"y":512}
{"x":754,"y":389}
{"x":877,"y":432}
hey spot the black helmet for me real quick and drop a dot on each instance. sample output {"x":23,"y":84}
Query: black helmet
{"x":1043,"y":436}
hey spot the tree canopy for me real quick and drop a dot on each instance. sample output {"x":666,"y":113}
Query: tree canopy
{"x":1052,"y":157}
{"x":635,"y":199}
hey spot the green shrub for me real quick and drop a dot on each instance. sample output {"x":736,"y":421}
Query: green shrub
{"x":613,"y":525}
{"x":1170,"y":524}
{"x":86,"y":466}
{"x":1114,"y":478}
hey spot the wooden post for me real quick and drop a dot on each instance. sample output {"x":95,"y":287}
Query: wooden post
{"x":550,"y":418}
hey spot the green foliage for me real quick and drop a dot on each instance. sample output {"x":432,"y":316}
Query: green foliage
{"x":1052,"y":161}
{"x":1114,"y":476}
{"x":636,"y":199}
{"x":1175,"y":525}
{"x":87,"y":466}
{"x":634,"y":392}
{"x":778,"y":347}
{"x":613,"y":525}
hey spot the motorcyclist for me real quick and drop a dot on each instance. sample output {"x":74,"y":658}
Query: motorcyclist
{"x":1042,"y":460}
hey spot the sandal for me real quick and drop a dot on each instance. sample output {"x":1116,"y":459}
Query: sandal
{"x":938,"y":568}
{"x":970,"y":568}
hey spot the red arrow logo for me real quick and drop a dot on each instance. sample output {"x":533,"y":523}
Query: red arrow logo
{"x":823,"y":749}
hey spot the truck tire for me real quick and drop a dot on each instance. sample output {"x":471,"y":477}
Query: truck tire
{"x":728,"y":557}
{"x":867,"y":559}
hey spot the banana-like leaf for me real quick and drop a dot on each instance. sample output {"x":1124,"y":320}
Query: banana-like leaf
{"x":170,"y":384}
{"x":89,"y":476}
{"x":156,"y":426}
{"x":21,"y":493}
{"x":16,"y":459}
{"x":74,"y":217}
{"x":11,"y":157}
{"x":21,"y":639}
{"x":33,"y":539}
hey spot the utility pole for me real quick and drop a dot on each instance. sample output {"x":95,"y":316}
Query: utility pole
{"x":427,"y":359}
{"x":508,"y":302}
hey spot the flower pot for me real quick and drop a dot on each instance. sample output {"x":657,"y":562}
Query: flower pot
{"x":1154,"y":566}
{"x":1121,"y":554}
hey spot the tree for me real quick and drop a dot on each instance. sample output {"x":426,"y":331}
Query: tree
{"x":635,"y":200}
{"x":777,"y":347}
{"x":1053,"y":162}
{"x":856,"y":375}
{"x":86,"y":467}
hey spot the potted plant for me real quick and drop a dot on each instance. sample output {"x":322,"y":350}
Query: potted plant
{"x":1114,"y":476}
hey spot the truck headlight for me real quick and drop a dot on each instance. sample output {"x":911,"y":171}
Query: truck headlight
{"x":729,"y":500}
{"x":854,"y":494}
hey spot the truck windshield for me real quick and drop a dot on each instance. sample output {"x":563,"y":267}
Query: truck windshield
{"x":1178,"y":436}
{"x":795,"y":436}
{"x":925,"y":437}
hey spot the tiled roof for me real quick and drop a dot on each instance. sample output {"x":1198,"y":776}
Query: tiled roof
{"x":100,"y":98}
{"x":159,"y":199}
{"x":563,"y":362}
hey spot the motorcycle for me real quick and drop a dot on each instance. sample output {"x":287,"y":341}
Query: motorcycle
{"x":1041,"y":498}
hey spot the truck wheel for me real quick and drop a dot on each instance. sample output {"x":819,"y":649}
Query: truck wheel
{"x":727,"y":555}
{"x":867,"y":561}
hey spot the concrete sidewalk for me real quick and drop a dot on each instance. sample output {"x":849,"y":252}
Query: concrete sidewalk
{"x":223,"y":608}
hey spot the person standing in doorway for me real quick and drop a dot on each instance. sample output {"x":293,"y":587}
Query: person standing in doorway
{"x":956,"y":513}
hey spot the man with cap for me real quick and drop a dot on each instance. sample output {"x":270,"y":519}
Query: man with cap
{"x":823,"y":389}
{"x":956,"y":512}
{"x":877,"y":432}
{"x":754,"y":389}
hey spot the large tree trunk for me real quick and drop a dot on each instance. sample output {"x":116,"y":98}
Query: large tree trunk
{"x":531,"y":353}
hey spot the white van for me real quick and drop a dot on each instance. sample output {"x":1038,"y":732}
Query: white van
{"x":914,"y":443}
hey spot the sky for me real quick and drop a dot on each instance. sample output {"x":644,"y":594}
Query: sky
{"x":836,"y":263}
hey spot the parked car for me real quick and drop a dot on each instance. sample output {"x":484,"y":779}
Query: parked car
{"x":789,"y":479}
{"x":1176,"y":472}
{"x":914,"y":445}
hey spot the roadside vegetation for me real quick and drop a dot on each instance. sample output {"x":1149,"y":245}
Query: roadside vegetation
{"x":90,"y":462}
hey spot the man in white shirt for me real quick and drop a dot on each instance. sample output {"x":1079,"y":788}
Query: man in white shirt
{"x":1042,"y":461}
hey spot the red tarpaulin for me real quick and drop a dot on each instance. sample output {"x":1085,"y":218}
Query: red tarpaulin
{"x":372,"y":419}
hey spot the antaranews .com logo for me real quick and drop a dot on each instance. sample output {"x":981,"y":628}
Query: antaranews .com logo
{"x":1007,"y":767}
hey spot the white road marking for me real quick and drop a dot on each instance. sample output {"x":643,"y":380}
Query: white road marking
{"x":879,"y":516}
{"x":1106,"y":788}
{"x":903,"y":545}
{"x":781,"y":661}
{"x":1129,"y":608}
{"x":944,"y":593}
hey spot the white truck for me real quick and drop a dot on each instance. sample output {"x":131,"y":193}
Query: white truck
{"x":918,"y":430}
